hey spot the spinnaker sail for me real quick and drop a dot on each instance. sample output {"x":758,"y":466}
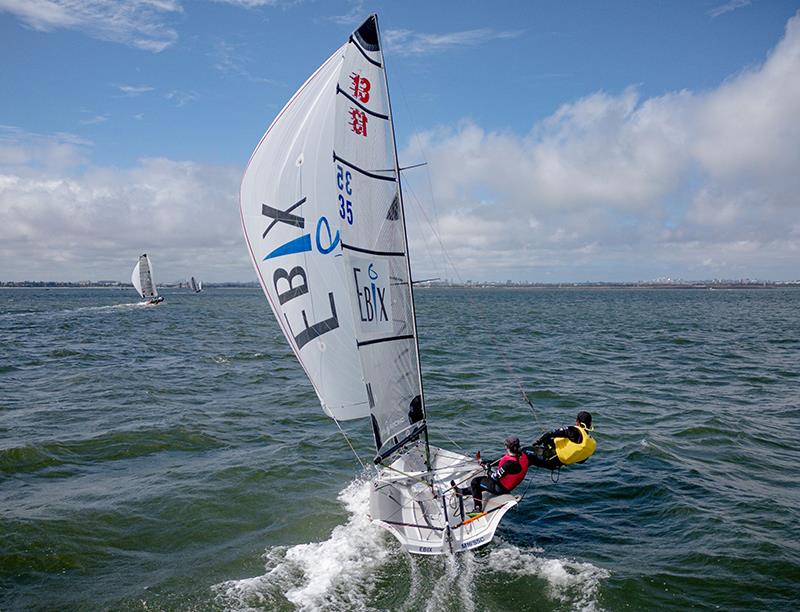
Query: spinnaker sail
{"x":322,"y":213}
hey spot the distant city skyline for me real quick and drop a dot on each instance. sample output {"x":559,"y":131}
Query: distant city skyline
{"x":565,"y":142}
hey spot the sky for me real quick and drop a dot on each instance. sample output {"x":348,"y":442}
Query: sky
{"x":564,"y":141}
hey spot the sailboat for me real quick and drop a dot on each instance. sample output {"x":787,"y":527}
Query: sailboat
{"x":195,"y":286}
{"x":322,"y":213}
{"x":142,"y":279}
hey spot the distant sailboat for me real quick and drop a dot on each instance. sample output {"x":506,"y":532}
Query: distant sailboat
{"x":196,"y":286}
{"x":322,"y":213}
{"x":142,"y":279}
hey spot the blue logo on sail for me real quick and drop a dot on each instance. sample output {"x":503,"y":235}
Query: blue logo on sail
{"x":303,"y":243}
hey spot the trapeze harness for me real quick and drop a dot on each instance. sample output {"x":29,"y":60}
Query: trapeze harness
{"x":569,"y":452}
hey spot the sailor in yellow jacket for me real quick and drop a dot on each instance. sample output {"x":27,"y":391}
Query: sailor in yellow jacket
{"x":563,"y":446}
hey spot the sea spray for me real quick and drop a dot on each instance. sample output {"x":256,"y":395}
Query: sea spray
{"x":569,"y":582}
{"x":337,"y":573}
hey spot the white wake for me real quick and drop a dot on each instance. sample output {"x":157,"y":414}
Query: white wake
{"x":356,"y":567}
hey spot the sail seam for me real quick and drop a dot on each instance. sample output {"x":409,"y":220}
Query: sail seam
{"x":350,"y":247}
{"x":361,"y":170}
{"x":339,"y":90}
{"x":389,"y":339}
{"x":364,"y":53}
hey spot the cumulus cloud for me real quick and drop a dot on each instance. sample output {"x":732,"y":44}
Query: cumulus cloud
{"x":63,"y":218}
{"x":684,"y":183}
{"x":613,"y":186}
{"x":136,"y":23}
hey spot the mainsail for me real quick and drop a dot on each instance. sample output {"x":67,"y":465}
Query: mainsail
{"x":142,"y":278}
{"x":193,"y":283}
{"x":373,"y":240}
{"x":322,"y":214}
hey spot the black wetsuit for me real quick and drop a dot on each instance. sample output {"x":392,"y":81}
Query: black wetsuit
{"x":542,"y":453}
{"x":491,"y":482}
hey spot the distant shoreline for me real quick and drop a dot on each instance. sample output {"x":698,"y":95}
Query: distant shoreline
{"x":710,"y":285}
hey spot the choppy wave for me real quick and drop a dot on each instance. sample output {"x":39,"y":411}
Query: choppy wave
{"x":147,"y":454}
{"x":569,"y":582}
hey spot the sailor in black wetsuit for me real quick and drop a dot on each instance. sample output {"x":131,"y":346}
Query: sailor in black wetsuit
{"x":509,"y":472}
{"x":563,"y":446}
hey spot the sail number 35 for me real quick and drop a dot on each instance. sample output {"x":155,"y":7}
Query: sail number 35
{"x":343,"y":179}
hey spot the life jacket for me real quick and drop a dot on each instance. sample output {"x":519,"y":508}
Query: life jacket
{"x":569,"y":452}
{"x":509,"y":481}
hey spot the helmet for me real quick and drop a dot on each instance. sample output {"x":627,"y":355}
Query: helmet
{"x":512,"y":443}
{"x":585,"y":418}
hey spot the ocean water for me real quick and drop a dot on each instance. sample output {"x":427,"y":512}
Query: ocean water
{"x":176,"y":458}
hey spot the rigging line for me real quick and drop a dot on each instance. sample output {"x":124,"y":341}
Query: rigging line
{"x":428,"y":252}
{"x":435,"y":233}
{"x":411,"y":476}
{"x":456,"y":444}
{"x":403,"y":167}
{"x":525,"y":492}
{"x":417,"y":140}
{"x":519,"y":384}
{"x":478,"y":471}
{"x":363,"y":467}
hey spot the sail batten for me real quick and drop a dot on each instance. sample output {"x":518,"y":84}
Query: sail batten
{"x":369,"y":173}
{"x":350,"y":247}
{"x":339,"y":90}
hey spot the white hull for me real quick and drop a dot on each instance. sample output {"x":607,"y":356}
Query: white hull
{"x":428,"y":518}
{"x":153,"y":302}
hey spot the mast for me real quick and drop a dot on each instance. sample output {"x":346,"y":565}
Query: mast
{"x":405,"y":238}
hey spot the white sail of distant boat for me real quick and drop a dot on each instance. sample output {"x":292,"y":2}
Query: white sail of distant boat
{"x":199,"y":286}
{"x":195,"y":286}
{"x":142,"y":279}
{"x":322,"y":213}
